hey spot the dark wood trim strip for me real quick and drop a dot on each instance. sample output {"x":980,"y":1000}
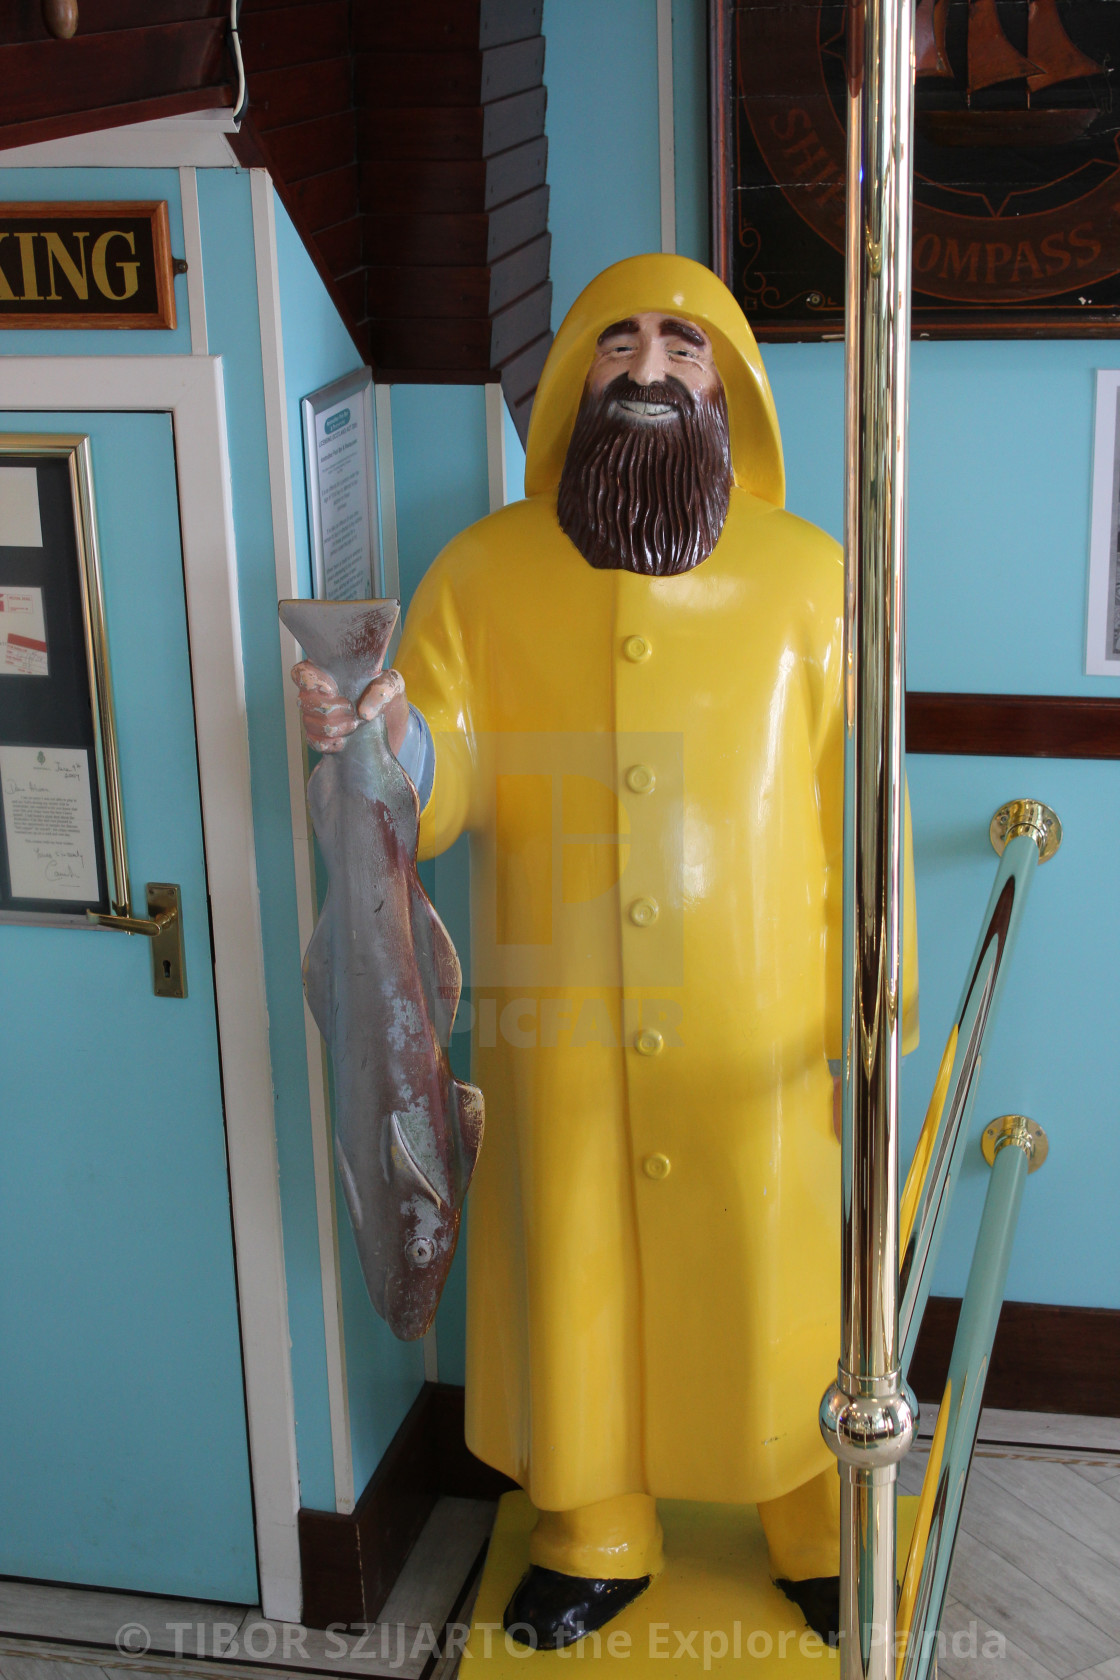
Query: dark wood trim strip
{"x":349,"y":1563}
{"x":1013,"y":725}
{"x":1045,"y":1358}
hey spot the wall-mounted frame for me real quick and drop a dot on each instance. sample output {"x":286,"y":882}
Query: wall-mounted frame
{"x":339,"y":443}
{"x":86,"y":264}
{"x":1102,"y":634}
{"x":1016,"y":166}
{"x":62,"y":839}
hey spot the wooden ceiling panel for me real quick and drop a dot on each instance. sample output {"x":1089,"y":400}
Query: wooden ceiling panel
{"x":324,"y":200}
{"x":449,"y":78}
{"x":272,"y":36}
{"x":406,"y":141}
{"x":481,"y":290}
{"x":312,"y":148}
{"x":450,"y":25}
{"x":296,"y":92}
{"x":430,"y":186}
{"x":55,"y":78}
{"x":23,"y":20}
{"x":468,"y":240}
{"x":452,"y":133}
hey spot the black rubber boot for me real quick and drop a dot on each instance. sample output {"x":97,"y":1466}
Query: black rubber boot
{"x":818,"y":1600}
{"x":549,"y":1610}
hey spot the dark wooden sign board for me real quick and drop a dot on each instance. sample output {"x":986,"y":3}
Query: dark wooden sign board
{"x":1016,"y":165}
{"x":86,"y":265}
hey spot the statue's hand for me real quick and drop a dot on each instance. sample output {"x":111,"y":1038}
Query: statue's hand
{"x":328,"y":719}
{"x":385,"y":697}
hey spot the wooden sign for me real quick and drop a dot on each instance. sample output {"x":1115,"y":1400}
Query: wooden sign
{"x":1016,"y":165}
{"x":86,"y":265}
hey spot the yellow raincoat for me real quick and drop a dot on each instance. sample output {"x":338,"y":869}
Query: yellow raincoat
{"x":650,"y":770}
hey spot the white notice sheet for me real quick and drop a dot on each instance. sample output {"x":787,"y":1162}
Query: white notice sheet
{"x":19,"y":508}
{"x":343,"y":455}
{"x":23,"y":636}
{"x":48,"y":822}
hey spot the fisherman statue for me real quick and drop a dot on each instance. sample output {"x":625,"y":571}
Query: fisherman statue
{"x":627,"y":689}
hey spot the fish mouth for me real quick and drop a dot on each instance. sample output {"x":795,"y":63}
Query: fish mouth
{"x":643,"y":411}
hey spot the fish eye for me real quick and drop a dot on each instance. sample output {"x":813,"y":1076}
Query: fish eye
{"x":421,"y":1251}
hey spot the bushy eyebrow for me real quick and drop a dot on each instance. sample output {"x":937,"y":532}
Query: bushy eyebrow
{"x":672,"y":328}
{"x":617,"y":330}
{"x":669,"y":328}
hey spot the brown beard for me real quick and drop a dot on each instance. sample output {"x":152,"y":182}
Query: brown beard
{"x":646,"y":496}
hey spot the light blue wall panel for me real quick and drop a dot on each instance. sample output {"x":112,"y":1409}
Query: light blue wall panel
{"x":690,"y":127}
{"x":1054,"y":1053}
{"x":515,"y":459}
{"x":23,"y":186}
{"x":234,"y":334}
{"x":1000,"y":440}
{"x":317,"y":350}
{"x":601,"y":73}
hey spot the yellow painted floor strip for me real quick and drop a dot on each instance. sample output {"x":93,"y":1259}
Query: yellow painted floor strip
{"x":713,"y":1610}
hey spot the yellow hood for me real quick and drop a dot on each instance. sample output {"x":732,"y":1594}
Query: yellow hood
{"x":677,"y":286}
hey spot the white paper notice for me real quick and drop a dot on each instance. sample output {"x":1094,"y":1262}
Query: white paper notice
{"x":48,"y":823}
{"x":23,"y":636}
{"x":342,"y":450}
{"x":19,"y":508}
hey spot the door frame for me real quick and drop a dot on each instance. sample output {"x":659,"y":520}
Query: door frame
{"x":191,"y":390}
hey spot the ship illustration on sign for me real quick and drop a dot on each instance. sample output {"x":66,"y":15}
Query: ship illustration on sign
{"x":1051,"y":61}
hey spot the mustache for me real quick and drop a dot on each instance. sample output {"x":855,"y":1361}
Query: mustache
{"x":671,"y":391}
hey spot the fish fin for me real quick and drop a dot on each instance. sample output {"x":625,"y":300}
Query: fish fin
{"x":318,"y":985}
{"x":469,"y":1115}
{"x":437,"y":961}
{"x":409,"y":1144}
{"x":349,"y":1186}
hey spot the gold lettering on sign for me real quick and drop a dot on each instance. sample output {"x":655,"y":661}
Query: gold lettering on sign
{"x":57,"y":252}
{"x":27,"y":258}
{"x":128,"y":270}
{"x":807,"y":155}
{"x":6,"y":293}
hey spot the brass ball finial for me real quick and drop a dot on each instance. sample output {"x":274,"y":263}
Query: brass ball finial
{"x":61,"y":18}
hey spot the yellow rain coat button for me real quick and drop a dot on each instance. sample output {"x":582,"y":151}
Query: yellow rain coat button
{"x":640,"y":779}
{"x":644,"y":912}
{"x":636,"y":649}
{"x":649,"y":1042}
{"x":657,"y":1166}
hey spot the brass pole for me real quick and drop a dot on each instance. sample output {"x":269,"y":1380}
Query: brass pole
{"x":867,"y":1416}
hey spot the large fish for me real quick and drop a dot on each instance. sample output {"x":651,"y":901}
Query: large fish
{"x":382,"y":980}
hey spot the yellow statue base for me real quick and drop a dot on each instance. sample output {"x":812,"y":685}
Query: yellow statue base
{"x":712,"y":1606}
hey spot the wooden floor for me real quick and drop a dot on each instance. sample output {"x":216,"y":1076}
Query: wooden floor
{"x":1036,"y":1570}
{"x":1034,"y":1593}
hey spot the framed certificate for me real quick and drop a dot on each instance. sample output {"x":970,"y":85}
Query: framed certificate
{"x":347,"y":554}
{"x":62,"y":849}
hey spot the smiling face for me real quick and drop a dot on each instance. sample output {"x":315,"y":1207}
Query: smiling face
{"x":651,"y":348}
{"x":647,"y":476}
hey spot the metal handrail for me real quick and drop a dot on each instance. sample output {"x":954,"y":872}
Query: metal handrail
{"x":1013,"y":1146}
{"x":1025,"y":832}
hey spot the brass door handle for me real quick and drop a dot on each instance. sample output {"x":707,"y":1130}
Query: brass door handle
{"x":133,"y":924}
{"x":163,"y":925}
